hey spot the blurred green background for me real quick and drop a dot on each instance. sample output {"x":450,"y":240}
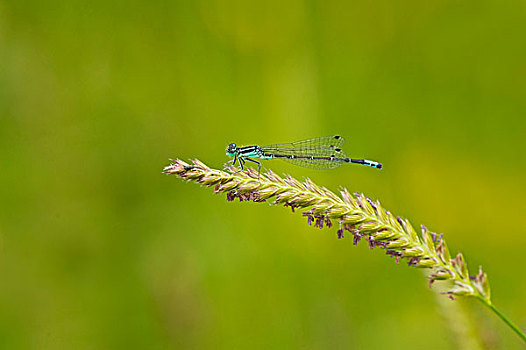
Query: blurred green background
{"x":100,"y":250}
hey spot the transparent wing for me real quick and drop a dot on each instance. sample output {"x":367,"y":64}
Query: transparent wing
{"x":325,"y":142}
{"x":314,"y":163}
{"x":327,"y":146}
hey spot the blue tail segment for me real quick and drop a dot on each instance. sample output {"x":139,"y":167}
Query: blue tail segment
{"x":373,"y":164}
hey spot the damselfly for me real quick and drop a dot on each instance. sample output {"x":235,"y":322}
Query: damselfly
{"x":317,"y":153}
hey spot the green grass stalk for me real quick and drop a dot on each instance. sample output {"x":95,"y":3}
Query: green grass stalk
{"x":362,"y":217}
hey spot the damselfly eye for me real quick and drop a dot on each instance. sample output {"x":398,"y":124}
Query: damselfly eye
{"x":232,"y":147}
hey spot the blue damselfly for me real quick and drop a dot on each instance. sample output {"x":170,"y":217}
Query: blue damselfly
{"x":318,"y":153}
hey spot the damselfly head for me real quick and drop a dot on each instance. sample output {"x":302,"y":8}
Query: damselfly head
{"x":231,"y":150}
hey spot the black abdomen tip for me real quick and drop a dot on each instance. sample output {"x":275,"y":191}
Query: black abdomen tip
{"x":337,"y":137}
{"x":379,"y":166}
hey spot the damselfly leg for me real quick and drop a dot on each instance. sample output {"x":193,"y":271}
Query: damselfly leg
{"x":258,"y":163}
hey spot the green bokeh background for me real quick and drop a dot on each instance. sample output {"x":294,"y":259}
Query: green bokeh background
{"x":99,"y":250}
